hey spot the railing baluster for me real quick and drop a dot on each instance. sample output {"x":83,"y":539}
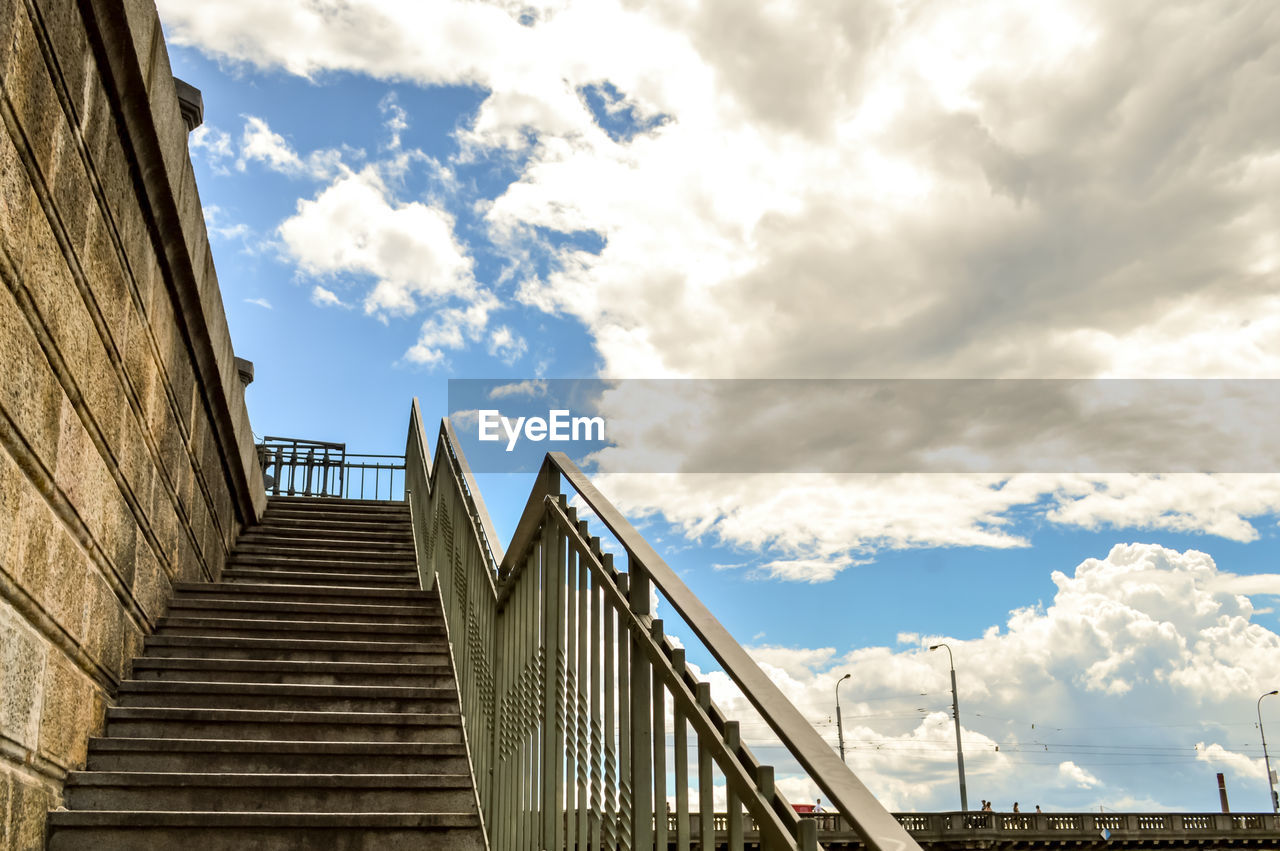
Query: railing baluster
{"x":660,"y":805}
{"x":553,"y":738}
{"x":612,"y":770}
{"x":733,"y":739}
{"x":641,"y":723}
{"x":706,"y":789}
{"x":598,"y":650}
{"x":681,"y":747}
{"x":583,"y":707}
{"x":626,"y":747}
{"x":570,"y":699}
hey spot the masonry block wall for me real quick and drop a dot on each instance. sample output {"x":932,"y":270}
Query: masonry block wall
{"x":126,"y":456}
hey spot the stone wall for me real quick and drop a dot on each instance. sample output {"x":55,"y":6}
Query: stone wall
{"x":126,"y":457}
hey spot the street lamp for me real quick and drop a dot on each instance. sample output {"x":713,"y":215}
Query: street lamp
{"x":840,"y":726}
{"x":1271,"y":789}
{"x":955,"y":713}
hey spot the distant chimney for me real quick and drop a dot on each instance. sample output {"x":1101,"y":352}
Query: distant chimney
{"x":191,"y":103}
{"x":1222,"y":792}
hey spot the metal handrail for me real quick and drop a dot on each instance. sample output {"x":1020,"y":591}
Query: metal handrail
{"x":851,"y":798}
{"x":513,"y":690}
{"x":326,"y":469}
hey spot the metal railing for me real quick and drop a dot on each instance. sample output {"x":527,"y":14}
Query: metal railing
{"x":573,"y":695}
{"x":296,"y":467}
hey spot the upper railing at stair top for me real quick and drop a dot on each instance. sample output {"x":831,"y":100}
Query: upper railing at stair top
{"x":573,"y":695}
{"x":293,"y":466}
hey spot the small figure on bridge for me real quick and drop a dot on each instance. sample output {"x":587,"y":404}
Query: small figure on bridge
{"x":1037,"y":808}
{"x":1015,"y":806}
{"x":817,"y":808}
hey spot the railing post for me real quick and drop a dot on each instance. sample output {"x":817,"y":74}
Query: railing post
{"x":572,"y":754}
{"x":660,"y":805}
{"x":275,"y":489}
{"x":733,"y":738}
{"x":612,"y":770}
{"x":553,"y":689}
{"x":583,"y":711}
{"x":626,"y":746}
{"x":706,"y":789}
{"x":808,"y":835}
{"x":641,"y":723}
{"x":681,"y":747}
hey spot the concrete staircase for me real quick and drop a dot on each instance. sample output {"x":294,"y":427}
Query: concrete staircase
{"x":305,"y":701}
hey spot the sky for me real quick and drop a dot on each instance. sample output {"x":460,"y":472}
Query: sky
{"x":399,"y":193}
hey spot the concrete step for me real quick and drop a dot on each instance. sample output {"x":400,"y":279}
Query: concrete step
{"x":314,"y":673}
{"x":326,"y":535}
{"x":288,"y":697}
{"x":372,"y":506}
{"x":190,"y":606}
{"x":260,"y":576}
{"x":263,"y":724}
{"x":256,"y":792}
{"x":307,"y":593}
{"x":299,"y":650}
{"x":337,"y":564}
{"x":320,"y":548}
{"x":276,"y":757}
{"x":334,"y":523}
{"x":309,"y":629}
{"x":130,"y":830}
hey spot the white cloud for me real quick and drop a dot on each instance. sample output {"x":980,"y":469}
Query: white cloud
{"x":259,"y":143}
{"x":806,"y":569}
{"x":506,"y":345}
{"x":1242,"y":766}
{"x":260,"y":302}
{"x":1077,"y":775}
{"x":213,"y":144}
{"x":532,"y":389}
{"x":1137,"y":656}
{"x":397,"y":119}
{"x":822,"y":523}
{"x":356,"y":226}
{"x":451,"y":328}
{"x":322,"y":297}
{"x":215,"y":223}
{"x":826,"y":189}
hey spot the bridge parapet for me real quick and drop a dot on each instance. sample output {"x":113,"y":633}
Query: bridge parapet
{"x":997,"y":829}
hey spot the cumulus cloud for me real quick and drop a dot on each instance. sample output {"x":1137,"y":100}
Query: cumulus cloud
{"x":356,"y":226}
{"x":1047,"y":205}
{"x":1138,"y":656}
{"x":1243,"y":766}
{"x":836,"y":190}
{"x":1077,"y":775}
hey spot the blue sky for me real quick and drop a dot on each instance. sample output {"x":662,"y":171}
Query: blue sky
{"x":407,"y":193}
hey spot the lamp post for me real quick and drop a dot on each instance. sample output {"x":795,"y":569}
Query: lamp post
{"x":1271,"y":789}
{"x":839,"y":725}
{"x":955,"y":713}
